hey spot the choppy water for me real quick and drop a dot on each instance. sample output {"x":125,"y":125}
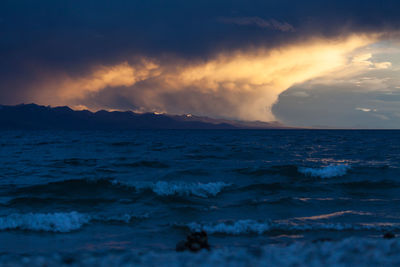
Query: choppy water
{"x":254,"y":192}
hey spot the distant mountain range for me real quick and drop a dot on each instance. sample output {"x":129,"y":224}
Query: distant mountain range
{"x":36,"y":117}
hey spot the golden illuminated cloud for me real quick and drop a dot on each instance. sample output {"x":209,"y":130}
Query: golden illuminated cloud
{"x":103,"y":77}
{"x":241,"y":85}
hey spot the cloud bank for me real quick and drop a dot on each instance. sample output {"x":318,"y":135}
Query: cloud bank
{"x":237,"y":85}
{"x":259,"y":22}
{"x":224,"y":58}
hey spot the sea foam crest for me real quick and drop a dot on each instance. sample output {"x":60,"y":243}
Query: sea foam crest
{"x":163,"y":188}
{"x":196,"y":189}
{"x":52,"y":222}
{"x":326,"y":172}
{"x":61,"y":222}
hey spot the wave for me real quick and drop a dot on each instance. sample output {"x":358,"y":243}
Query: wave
{"x":163,"y":188}
{"x":241,"y":227}
{"x":51,"y":222}
{"x":294,"y":170}
{"x":61,"y":222}
{"x":326,"y":172}
{"x":108,"y":190}
{"x":124,"y":218}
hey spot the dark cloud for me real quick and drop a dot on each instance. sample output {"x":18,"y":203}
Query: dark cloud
{"x":70,"y":36}
{"x":259,"y":22}
{"x":60,"y":32}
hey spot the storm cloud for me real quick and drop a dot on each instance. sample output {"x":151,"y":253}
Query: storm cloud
{"x":215,"y":58}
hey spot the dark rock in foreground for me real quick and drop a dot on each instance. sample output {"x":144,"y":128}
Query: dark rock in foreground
{"x":389,"y":235}
{"x":194,"y":242}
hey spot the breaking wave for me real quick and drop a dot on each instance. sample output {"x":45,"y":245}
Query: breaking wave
{"x":242,"y":227}
{"x":115,"y":189}
{"x":59,"y":222}
{"x":185,"y":189}
{"x":294,"y":170}
{"x":51,"y":222}
{"x":325,"y":172}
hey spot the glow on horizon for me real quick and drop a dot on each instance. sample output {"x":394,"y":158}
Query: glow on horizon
{"x":238,"y":85}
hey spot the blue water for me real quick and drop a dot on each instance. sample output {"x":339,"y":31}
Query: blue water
{"x":143,"y":191}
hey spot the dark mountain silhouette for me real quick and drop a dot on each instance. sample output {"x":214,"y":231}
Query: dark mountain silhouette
{"x":36,"y":117}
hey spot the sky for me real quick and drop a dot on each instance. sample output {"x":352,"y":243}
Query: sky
{"x":330,"y":64}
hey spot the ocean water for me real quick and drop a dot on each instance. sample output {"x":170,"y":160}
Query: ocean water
{"x":265,"y":198}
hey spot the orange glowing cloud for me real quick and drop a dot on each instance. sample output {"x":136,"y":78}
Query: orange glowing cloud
{"x":241,"y":85}
{"x":68,"y":88}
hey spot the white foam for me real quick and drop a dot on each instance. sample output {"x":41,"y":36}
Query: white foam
{"x":163,"y":188}
{"x":196,"y":189}
{"x":124,"y":218}
{"x":325,"y":172}
{"x":52,"y":222}
{"x":61,"y":222}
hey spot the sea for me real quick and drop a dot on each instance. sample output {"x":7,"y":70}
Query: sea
{"x":264,"y":197}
